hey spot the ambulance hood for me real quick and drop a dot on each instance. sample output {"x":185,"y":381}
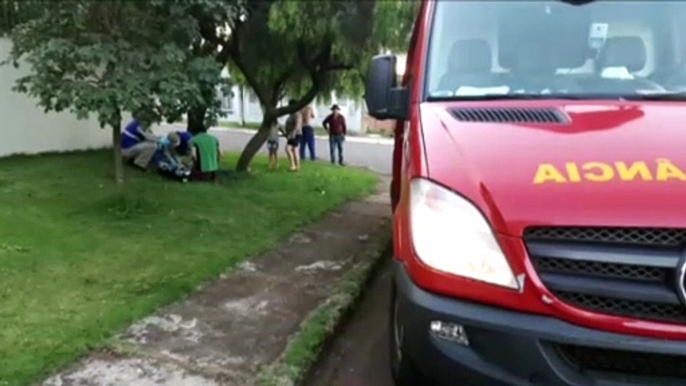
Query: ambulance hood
{"x":553,"y":163}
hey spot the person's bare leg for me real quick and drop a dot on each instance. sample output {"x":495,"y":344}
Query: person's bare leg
{"x":272,"y":164}
{"x":295,"y":155}
{"x":289,"y":153}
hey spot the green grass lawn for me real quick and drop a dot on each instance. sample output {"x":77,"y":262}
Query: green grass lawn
{"x":80,"y":261}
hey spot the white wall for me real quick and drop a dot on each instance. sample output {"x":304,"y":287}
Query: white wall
{"x":26,"y":129}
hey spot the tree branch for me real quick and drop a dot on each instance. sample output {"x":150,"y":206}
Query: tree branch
{"x":316,"y":78}
{"x":281,"y":82}
{"x":338,"y":67}
{"x":250,"y":77}
{"x":317,"y":67}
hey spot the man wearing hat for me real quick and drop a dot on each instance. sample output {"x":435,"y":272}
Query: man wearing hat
{"x":334,"y":124}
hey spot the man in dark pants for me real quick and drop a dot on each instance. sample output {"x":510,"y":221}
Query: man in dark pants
{"x":334,"y":124}
{"x":307,"y":140}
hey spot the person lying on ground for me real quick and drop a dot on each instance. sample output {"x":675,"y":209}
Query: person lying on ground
{"x":176,"y":171}
{"x":206,"y":157}
{"x":138,"y":144}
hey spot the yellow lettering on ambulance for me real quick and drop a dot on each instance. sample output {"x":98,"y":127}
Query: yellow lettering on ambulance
{"x":629,"y":173}
{"x":598,"y":172}
{"x":548,"y":173}
{"x":668,"y":171}
{"x":573,"y":172}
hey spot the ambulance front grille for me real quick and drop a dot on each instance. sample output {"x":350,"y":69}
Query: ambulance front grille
{"x":623,"y":363}
{"x":628,"y":272}
{"x":657,"y":237}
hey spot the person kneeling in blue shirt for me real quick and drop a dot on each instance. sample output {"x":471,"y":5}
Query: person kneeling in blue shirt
{"x":138,"y":144}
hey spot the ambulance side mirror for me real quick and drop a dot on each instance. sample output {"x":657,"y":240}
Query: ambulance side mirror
{"x":384,"y":99}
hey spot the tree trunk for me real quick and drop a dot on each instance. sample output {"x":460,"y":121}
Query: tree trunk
{"x":242,"y":96}
{"x":255,"y":143}
{"x":196,"y":120}
{"x":118,"y":161}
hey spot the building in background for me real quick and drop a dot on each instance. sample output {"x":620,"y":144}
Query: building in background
{"x":241,"y":107}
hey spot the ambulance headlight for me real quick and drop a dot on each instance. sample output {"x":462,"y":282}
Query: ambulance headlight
{"x":451,"y":235}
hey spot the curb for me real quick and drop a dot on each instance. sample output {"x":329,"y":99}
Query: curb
{"x":322,"y":324}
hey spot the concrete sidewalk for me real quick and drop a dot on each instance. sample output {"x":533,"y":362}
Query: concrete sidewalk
{"x":230,"y":329}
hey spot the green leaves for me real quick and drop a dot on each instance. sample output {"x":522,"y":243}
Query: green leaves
{"x":15,"y":12}
{"x":164,"y":58}
{"x":289,"y":47}
{"x":302,"y":50}
{"x":106,"y":57}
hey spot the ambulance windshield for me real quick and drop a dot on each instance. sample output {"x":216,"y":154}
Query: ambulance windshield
{"x":546,"y":49}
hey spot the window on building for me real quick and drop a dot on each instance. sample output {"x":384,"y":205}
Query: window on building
{"x":226,"y":99}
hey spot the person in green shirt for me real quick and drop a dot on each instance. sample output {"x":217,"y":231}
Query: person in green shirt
{"x":206,"y":157}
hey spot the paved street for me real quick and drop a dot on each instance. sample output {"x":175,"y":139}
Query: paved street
{"x":373,"y":153}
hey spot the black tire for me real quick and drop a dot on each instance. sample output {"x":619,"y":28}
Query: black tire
{"x":403,"y":371}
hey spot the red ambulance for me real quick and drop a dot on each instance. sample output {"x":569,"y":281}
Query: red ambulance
{"x":539,"y":193}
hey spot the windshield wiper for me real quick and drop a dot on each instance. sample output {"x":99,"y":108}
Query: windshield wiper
{"x":577,"y":2}
{"x":668,"y":96}
{"x":664,"y":96}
